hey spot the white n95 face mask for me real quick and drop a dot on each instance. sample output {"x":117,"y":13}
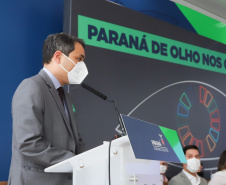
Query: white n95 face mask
{"x":78,"y":73}
{"x":193,"y":165}
{"x":163,"y":169}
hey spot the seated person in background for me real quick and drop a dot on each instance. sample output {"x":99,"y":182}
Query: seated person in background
{"x":163,"y":169}
{"x":189,"y":176}
{"x":219,"y":178}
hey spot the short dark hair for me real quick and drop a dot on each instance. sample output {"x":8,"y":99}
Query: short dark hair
{"x":222,"y":161}
{"x":59,"y":41}
{"x":190,"y":147}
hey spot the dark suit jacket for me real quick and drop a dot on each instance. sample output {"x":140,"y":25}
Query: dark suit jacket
{"x":42,"y":133}
{"x":182,"y":179}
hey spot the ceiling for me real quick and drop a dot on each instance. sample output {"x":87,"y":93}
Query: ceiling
{"x":215,"y":9}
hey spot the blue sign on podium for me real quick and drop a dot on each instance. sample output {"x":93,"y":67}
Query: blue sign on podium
{"x":150,"y":141}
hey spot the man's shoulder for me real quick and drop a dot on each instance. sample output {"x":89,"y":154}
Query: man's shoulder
{"x":29,"y":86}
{"x":203,"y":181}
{"x":177,"y":179}
{"x":35,"y":80}
{"x":178,"y":176}
{"x":31,"y":81}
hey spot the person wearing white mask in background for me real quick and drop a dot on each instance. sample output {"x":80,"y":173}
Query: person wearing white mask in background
{"x":189,"y":175}
{"x":45,"y":129}
{"x":163,"y":169}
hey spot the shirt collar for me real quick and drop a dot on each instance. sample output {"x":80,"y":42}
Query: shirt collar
{"x":56,"y":83}
{"x":193,"y":180}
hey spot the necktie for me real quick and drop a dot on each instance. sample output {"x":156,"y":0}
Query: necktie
{"x":61,"y":94}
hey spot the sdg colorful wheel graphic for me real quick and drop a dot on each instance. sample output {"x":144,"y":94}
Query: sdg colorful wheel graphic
{"x":189,"y":99}
{"x":194,"y":109}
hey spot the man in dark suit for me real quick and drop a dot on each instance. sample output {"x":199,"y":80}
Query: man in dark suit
{"x":189,"y":176}
{"x":44,"y":123}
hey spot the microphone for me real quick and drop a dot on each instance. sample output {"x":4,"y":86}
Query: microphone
{"x":104,"y":97}
{"x":92,"y":90}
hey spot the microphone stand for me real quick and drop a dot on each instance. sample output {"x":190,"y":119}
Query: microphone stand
{"x":104,"y":97}
{"x":121,"y":123}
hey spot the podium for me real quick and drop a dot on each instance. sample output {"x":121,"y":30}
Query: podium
{"x":92,"y":166}
{"x":134,"y":159}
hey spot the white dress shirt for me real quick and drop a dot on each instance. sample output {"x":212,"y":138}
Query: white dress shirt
{"x":194,"y":180}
